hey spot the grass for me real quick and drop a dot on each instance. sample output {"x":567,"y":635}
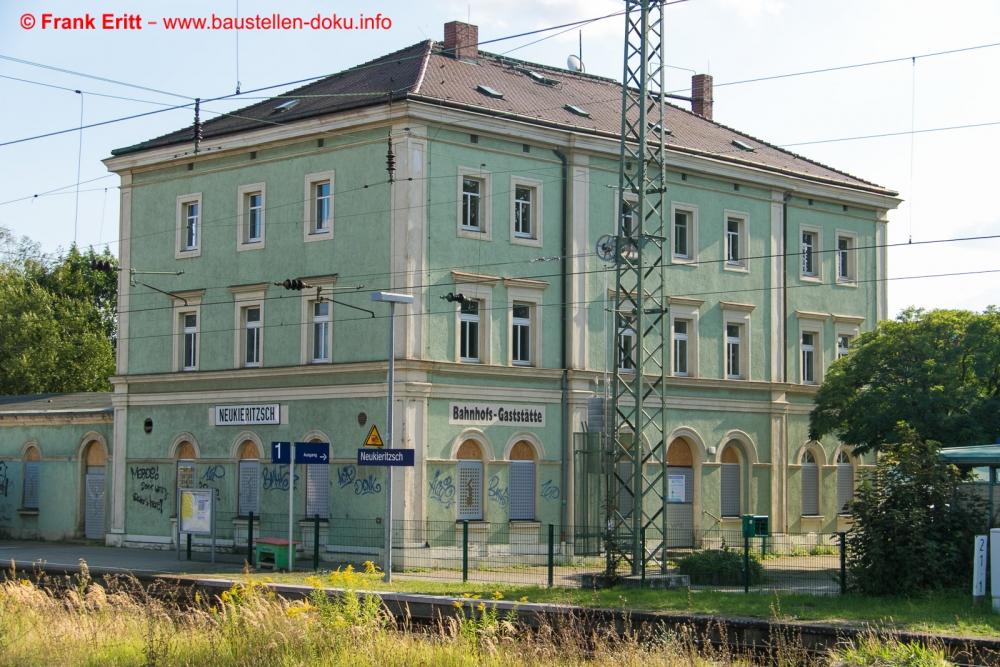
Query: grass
{"x":74,"y":621}
{"x":947,"y":612}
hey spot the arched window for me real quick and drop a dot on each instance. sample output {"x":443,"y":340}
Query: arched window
{"x":522,"y":482}
{"x":31,"y":479}
{"x":248,"y":498}
{"x":317,"y":489}
{"x":470,"y":482}
{"x":845,"y":481}
{"x":810,"y":485}
{"x":93,"y":524}
{"x":185,"y":469}
{"x":729,"y":482}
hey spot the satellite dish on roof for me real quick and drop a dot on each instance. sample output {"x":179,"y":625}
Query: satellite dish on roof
{"x":575,"y":64}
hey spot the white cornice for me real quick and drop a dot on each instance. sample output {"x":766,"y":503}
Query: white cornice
{"x":809,"y":315}
{"x":848,"y":319}
{"x":741,"y":307}
{"x":685,"y":301}
{"x":462,"y":278}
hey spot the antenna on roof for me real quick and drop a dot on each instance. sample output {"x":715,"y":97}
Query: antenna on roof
{"x":575,"y":63}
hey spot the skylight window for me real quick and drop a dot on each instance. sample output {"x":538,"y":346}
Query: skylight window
{"x":572,"y":108}
{"x":490,"y":92}
{"x":655,"y":127}
{"x":285,"y":106}
{"x":743,"y":145}
{"x":540,"y":78}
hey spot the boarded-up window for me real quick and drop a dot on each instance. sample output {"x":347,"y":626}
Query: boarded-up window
{"x":845,"y":481}
{"x":810,"y":485}
{"x":730,"y":491}
{"x":522,"y":490}
{"x":318,"y":491}
{"x":248,"y":496}
{"x":31,"y":483}
{"x":470,"y":490}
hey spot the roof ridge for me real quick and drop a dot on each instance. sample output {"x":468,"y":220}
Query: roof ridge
{"x":428,"y":45}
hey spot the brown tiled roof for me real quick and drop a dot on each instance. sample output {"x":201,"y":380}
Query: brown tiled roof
{"x":423,"y":73}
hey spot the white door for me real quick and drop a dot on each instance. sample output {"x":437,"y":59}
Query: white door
{"x":94,"y":511}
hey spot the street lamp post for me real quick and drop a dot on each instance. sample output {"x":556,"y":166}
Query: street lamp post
{"x":392,"y":299}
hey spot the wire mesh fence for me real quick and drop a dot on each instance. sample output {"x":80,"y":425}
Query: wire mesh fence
{"x":535,"y":554}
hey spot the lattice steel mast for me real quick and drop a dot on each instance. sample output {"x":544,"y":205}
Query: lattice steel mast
{"x":638,"y":485}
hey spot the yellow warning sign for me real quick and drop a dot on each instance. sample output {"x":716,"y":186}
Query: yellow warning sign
{"x":374,"y":439}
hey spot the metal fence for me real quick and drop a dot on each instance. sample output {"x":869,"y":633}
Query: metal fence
{"x":530,"y":553}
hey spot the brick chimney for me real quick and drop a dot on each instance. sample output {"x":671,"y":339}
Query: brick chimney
{"x":461,"y":40}
{"x":701,"y":95}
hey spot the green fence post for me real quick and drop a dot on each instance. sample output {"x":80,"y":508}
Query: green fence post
{"x":552,"y":550}
{"x":843,"y":563}
{"x":746,"y":563}
{"x":465,"y":551}
{"x":642,"y":536}
{"x":316,"y":542}
{"x":189,"y":546}
{"x":250,"y":539}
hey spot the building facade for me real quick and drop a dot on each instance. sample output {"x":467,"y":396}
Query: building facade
{"x":505,"y":178}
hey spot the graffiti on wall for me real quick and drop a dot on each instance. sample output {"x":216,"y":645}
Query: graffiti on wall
{"x":210,"y":477}
{"x":275,"y":478}
{"x":442,"y":489}
{"x":550,"y":491}
{"x":6,"y":513}
{"x":348,"y":476}
{"x":147,"y":490}
{"x":4,"y":480}
{"x":501,"y":496}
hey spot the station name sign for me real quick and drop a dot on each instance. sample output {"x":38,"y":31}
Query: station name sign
{"x":496,"y":414}
{"x":385,"y":457}
{"x":242,"y":415}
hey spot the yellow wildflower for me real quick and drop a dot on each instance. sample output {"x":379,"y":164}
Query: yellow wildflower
{"x":197,"y":597}
{"x":497,"y":595}
{"x":269,"y":580}
{"x":476,"y":597}
{"x":466,"y":595}
{"x":482,"y":606}
{"x":524,"y":599}
{"x":456,"y":604}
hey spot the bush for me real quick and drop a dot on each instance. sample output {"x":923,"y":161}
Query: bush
{"x":720,"y":568}
{"x":914,"y":523}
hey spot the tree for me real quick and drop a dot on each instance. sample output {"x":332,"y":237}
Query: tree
{"x":914,"y":522}
{"x":57,"y":320}
{"x":938,"y":371}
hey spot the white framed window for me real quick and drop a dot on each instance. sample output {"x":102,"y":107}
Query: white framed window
{"x":470,"y":331}
{"x":685,"y":241}
{"x":248,"y":314}
{"x":521,"y":334}
{"x":320,"y":335}
{"x":319,"y":202}
{"x":250,"y":217}
{"x":626,"y":222}
{"x":188,"y":224}
{"x":475,"y":204}
{"x":526,"y":211}
{"x":190,"y":344}
{"x":736,"y":242}
{"x":684,"y":323}
{"x":187,"y":330}
{"x":626,"y":350}
{"x":681,"y":350}
{"x":811,"y":245}
{"x":317,"y":321}
{"x":808,"y":357}
{"x":846,"y":257}
{"x":810,"y":485}
{"x":32,"y":479}
{"x":251,"y":336}
{"x":843,"y":345}
{"x":524,"y":326}
{"x":734,"y":351}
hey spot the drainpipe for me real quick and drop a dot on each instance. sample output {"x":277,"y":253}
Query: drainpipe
{"x":565,"y":334}
{"x":784,"y":286}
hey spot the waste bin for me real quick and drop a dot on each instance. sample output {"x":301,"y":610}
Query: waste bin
{"x":272,"y":552}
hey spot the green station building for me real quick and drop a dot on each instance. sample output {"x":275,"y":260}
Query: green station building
{"x":506,"y":175}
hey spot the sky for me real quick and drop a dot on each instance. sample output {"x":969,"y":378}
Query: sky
{"x":944,"y":177}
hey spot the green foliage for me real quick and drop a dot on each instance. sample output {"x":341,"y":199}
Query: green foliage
{"x":914,"y":522}
{"x":876,"y":650}
{"x":719,"y":568}
{"x":938,"y":371}
{"x":57,"y":320}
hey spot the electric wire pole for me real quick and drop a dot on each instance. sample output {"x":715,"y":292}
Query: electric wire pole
{"x":637,"y":500}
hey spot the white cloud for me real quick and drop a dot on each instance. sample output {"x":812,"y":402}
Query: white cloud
{"x":751,"y":10}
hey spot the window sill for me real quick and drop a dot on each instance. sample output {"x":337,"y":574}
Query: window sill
{"x":469,"y":361}
{"x":528,"y":241}
{"x":843,"y":282}
{"x":474,"y":234}
{"x":187,"y":253}
{"x":27,"y":512}
{"x":810,"y":279}
{"x":686,"y":261}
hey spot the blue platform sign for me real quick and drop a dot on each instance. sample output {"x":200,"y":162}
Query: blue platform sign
{"x":312,"y":453}
{"x":281,"y":452}
{"x":385,"y":457}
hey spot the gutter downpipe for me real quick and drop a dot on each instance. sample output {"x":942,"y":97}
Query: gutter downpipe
{"x":565,"y":335}
{"x":784,"y":286}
